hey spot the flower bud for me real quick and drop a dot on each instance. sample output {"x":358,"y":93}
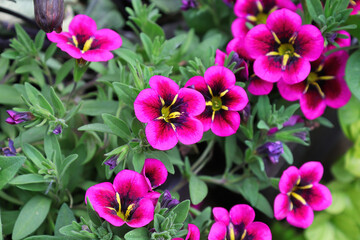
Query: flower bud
{"x":57,"y":130}
{"x":272,"y":150}
{"x":18,"y":117}
{"x":49,"y":14}
{"x":168,"y":201}
{"x":9,"y":151}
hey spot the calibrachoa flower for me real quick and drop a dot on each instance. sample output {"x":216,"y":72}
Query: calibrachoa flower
{"x":57,"y":130}
{"x":169,"y":113}
{"x":154,"y":172}
{"x":283,"y":48}
{"x":18,"y":117}
{"x":241,"y":75}
{"x":325,"y":86}
{"x":193,"y":233}
{"x":255,"y":12}
{"x":112,"y":162}
{"x":167,"y":201}
{"x":272,"y":151}
{"x":187,"y":4}
{"x":355,"y":5}
{"x":342,"y":42}
{"x":123,"y":201}
{"x":223,"y":100}
{"x":238,"y":224}
{"x":9,"y":151}
{"x":301,"y":194}
{"x":84,"y":40}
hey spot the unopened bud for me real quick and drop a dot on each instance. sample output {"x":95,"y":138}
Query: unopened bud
{"x":49,"y":14}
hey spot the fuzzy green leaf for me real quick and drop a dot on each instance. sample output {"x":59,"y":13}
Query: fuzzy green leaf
{"x":9,"y":166}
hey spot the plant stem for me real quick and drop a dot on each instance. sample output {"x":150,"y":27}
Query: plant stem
{"x":11,"y":199}
{"x":203,"y":156}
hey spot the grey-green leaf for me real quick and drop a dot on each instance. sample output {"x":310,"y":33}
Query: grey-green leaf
{"x":9,"y":166}
{"x":65,"y":217}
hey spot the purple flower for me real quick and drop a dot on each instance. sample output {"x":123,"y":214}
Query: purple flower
{"x":18,"y":117}
{"x":301,"y":194}
{"x":168,"y":201}
{"x":9,"y":151}
{"x":112,"y":162}
{"x":169,"y":113}
{"x":84,"y":41}
{"x":154,"y":172}
{"x":342,"y":42}
{"x":325,"y":86}
{"x":223,"y":100}
{"x":283,"y":48}
{"x":272,"y":150}
{"x":238,"y":224}
{"x":241,"y":75}
{"x":291,"y":122}
{"x":123,"y":201}
{"x":193,"y":233}
{"x":57,"y":130}
{"x":187,"y":4}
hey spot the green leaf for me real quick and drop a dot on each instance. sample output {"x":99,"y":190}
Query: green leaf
{"x":264,"y":108}
{"x":53,"y":150}
{"x":1,"y":227}
{"x":94,"y":217}
{"x":39,"y":39}
{"x":9,"y":166}
{"x":138,"y":161}
{"x":24,"y":38}
{"x":4,"y":63}
{"x":118,"y":126}
{"x":31,"y":182}
{"x":32,"y":94}
{"x":98,"y":107}
{"x":65,"y":217}
{"x":33,"y":154}
{"x":275,"y":183}
{"x":137,"y":234}
{"x":352,"y":73}
{"x":58,"y":104}
{"x":97,"y":127}
{"x":198,"y":190}
{"x":250,"y":188}
{"x":46,"y":237}
{"x":287,"y":155}
{"x":315,"y":9}
{"x":264,"y":206}
{"x":64,"y":70}
{"x":230,"y":151}
{"x":152,"y":29}
{"x":50,"y":51}
{"x":9,"y":95}
{"x":67,"y":162}
{"x":181,"y":210}
{"x":31,"y":216}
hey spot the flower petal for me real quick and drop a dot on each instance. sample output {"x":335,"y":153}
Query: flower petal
{"x":237,"y":45}
{"x":296,"y":70}
{"x":258,"y":86}
{"x":147,"y":105}
{"x":107,"y":39}
{"x":236,"y":99}
{"x":143,"y":214}
{"x":205,"y":118}
{"x":199,"y":84}
{"x":102,"y":196}
{"x":309,"y":43}
{"x":239,"y":28}
{"x":284,"y":23}
{"x":220,"y":57}
{"x":219,"y":78}
{"x":193,"y":103}
{"x":194,"y":232}
{"x":160,"y":135}
{"x":281,"y":206}
{"x":189,"y":131}
{"x":97,"y":55}
{"x":62,"y":38}
{"x":301,"y":216}
{"x":82,"y":25}
{"x":217,"y":231}
{"x":165,"y":87}
{"x":268,"y":68}
{"x":221,"y":215}
{"x":259,"y":41}
{"x":311,"y":172}
{"x":291,"y":92}
{"x":337,"y":93}
{"x":286,"y":4}
{"x":258,"y":231}
{"x":130,"y":185}
{"x":288,"y":179}
{"x":225,"y":123}
{"x":155,"y":171}
{"x":70,"y":49}
{"x":318,"y":197}
{"x":312,"y":104}
{"x":242,"y":214}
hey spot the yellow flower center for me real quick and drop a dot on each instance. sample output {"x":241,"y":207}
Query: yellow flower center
{"x":166,"y":113}
{"x":216,"y":102}
{"x":313,"y":79}
{"x":87,"y":44}
{"x":121,"y":214}
{"x":296,"y":195}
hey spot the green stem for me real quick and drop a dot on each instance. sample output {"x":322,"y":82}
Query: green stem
{"x":341,"y":48}
{"x":307,"y":17}
{"x":11,"y":199}
{"x":203,"y":155}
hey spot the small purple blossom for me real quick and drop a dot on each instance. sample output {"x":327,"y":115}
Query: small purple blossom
{"x":272,"y":150}
{"x":9,"y":151}
{"x":18,"y":117}
{"x":187,"y":4}
{"x":57,"y":130}
{"x":112,"y":162}
{"x":168,"y":201}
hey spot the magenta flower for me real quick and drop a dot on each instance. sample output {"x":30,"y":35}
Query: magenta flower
{"x":241,"y":75}
{"x":254,"y":12}
{"x":283,"y":48}
{"x":342,"y":42}
{"x":84,"y":40}
{"x":325,"y":86}
{"x":154,"y":172}
{"x":223,"y":100}
{"x":18,"y":117}
{"x":355,"y":5}
{"x":301,"y":194}
{"x":169,"y":113}
{"x":256,"y":86}
{"x":193,"y":233}
{"x":238,"y":224}
{"x":123,"y":201}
